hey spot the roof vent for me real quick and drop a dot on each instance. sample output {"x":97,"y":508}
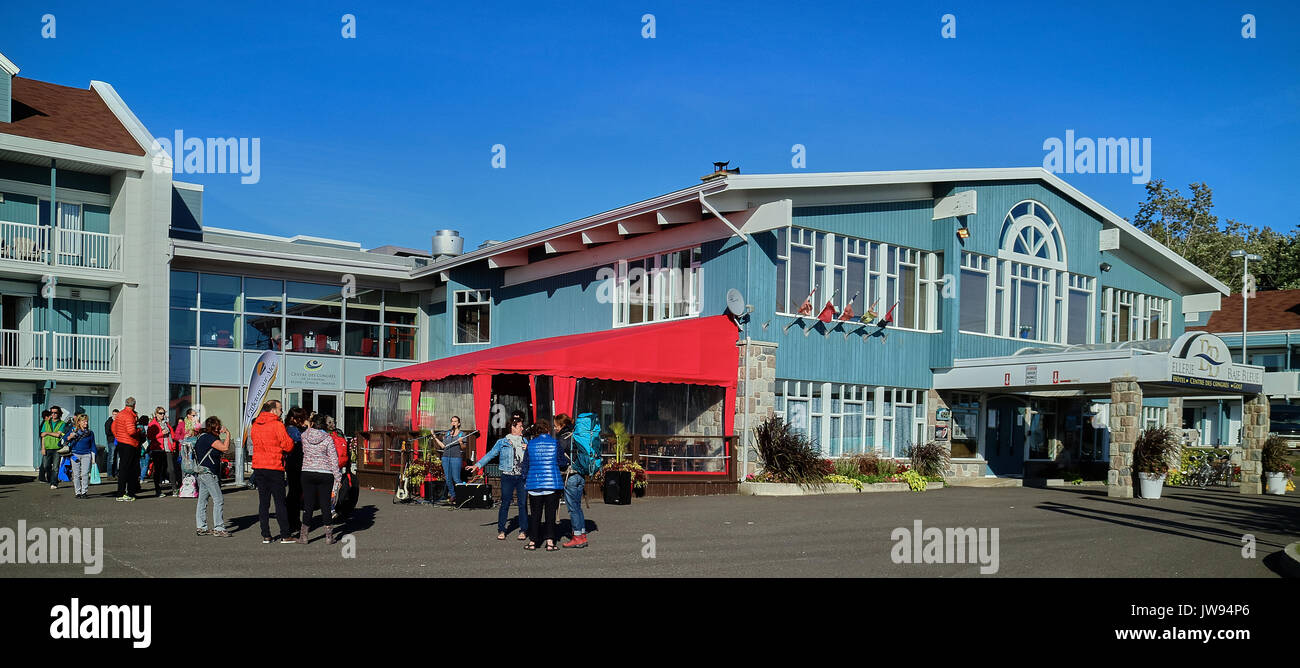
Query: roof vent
{"x":720,"y":170}
{"x":448,"y":242}
{"x":489,"y":242}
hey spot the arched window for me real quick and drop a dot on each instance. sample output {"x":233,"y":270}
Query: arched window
{"x":1031,"y":234}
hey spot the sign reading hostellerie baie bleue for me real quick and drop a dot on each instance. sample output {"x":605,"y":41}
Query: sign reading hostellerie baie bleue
{"x":1206,"y":363}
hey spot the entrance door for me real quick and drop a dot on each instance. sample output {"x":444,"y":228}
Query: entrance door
{"x":329,"y":403}
{"x":1004,"y":436}
{"x":19,"y":431}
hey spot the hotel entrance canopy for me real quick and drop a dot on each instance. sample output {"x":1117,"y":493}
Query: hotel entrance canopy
{"x":1196,"y":363}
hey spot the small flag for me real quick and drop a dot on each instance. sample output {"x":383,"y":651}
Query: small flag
{"x":870,"y":315}
{"x":889,"y":317}
{"x":828,"y":311}
{"x":848,"y":310}
{"x":806,"y":307}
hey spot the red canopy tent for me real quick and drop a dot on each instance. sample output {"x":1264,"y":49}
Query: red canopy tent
{"x":700,"y":351}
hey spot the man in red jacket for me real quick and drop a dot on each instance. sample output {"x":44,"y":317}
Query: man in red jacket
{"x":270,"y":443}
{"x":128,"y":451}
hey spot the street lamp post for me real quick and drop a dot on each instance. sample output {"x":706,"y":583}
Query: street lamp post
{"x":1245,"y":293}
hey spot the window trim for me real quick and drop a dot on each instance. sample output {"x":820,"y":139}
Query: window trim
{"x":484,"y":298}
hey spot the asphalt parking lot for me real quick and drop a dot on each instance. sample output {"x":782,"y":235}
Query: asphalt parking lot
{"x":1070,"y":532}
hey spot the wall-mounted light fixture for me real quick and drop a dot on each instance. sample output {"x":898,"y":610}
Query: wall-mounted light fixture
{"x":963,"y":233}
{"x":1105,"y":266}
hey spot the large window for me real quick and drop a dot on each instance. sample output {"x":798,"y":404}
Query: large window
{"x":658,"y":288}
{"x":1131,"y":316}
{"x":1013,"y":299}
{"x":249,"y":313}
{"x":473,"y":316}
{"x":848,"y":419}
{"x":847,"y":270}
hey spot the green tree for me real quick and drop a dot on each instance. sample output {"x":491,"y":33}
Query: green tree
{"x":1188,"y":226}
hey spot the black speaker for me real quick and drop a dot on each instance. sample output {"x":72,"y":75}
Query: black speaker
{"x":471,"y":495}
{"x":618,"y":488}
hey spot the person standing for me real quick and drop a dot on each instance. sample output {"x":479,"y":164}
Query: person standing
{"x":320,"y":473}
{"x":82,"y":442}
{"x":162,"y":448}
{"x":142,"y":433}
{"x":52,"y":429}
{"x":187,"y":426}
{"x":295,"y":424}
{"x":110,"y":442}
{"x":574,"y":485}
{"x":128,"y":451}
{"x":452,"y":456}
{"x":212,"y":441}
{"x":543,"y":461}
{"x":270,"y":445}
{"x":509,"y":452}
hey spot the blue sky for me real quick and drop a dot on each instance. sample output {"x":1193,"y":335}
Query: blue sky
{"x":385,"y":138}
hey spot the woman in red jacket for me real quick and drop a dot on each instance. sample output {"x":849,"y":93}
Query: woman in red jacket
{"x":162,"y":451}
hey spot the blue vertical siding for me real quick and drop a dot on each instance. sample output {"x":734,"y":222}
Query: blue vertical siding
{"x":6,"y":97}
{"x":95,"y":218}
{"x":19,"y":209}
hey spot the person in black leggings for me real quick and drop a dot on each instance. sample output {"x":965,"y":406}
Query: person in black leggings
{"x":128,"y":471}
{"x":320,"y":470}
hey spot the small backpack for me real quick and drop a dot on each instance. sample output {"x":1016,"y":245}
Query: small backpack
{"x":586,"y":445}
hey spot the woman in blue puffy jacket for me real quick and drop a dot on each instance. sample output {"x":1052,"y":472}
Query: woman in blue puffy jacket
{"x":542,"y":464}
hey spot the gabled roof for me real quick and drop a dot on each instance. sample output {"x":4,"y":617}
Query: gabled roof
{"x":66,"y":115}
{"x":610,"y":225}
{"x":1272,"y":310}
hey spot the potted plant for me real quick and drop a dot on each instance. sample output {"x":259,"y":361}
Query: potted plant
{"x":1151,"y":454}
{"x":1276,"y":467}
{"x":617,"y":477}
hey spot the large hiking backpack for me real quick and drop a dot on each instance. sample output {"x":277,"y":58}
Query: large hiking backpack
{"x":586,"y":445}
{"x":188,"y":464}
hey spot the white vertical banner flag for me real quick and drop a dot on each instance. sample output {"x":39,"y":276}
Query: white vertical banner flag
{"x":258,"y":384}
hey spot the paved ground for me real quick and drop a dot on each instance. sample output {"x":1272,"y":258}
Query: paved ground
{"x":1072,"y":532}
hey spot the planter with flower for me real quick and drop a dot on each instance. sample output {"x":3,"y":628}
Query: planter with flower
{"x":621,"y":474}
{"x":1277,"y":470}
{"x":1152,"y":452}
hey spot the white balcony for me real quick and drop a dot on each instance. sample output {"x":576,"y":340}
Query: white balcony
{"x":36,"y":244}
{"x":22,"y":350}
{"x":86,"y":353}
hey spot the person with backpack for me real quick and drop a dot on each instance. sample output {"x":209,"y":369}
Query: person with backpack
{"x":509,"y":453}
{"x":582,"y":443}
{"x":212,"y":441}
{"x":543,"y":462}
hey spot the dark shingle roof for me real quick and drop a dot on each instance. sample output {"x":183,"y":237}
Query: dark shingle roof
{"x":66,"y":115}
{"x":1269,"y":311}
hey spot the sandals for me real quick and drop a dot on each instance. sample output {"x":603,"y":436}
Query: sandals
{"x":501,"y":536}
{"x":551,"y":546}
{"x":530,"y":546}
{"x":523,"y":536}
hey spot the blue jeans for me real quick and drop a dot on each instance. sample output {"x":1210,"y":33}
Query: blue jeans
{"x":209,"y":487}
{"x":144,"y":466}
{"x":512,"y":487}
{"x":573,"y":488}
{"x":110,"y":464}
{"x":451,"y":467}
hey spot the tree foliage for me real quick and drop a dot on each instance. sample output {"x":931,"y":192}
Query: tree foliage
{"x":1188,"y":226}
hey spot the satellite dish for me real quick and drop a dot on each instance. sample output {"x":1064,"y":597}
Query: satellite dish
{"x":735,"y":303}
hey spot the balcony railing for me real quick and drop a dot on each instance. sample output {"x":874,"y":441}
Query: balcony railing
{"x":86,"y":353}
{"x":35,"y":244}
{"x":22,"y":350}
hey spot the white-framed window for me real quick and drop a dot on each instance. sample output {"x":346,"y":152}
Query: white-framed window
{"x":1132,"y":316}
{"x":656,"y":288}
{"x":473,"y":316}
{"x":843,"y":419}
{"x":1012,"y":299}
{"x":1153,"y":416}
{"x":848,"y":270}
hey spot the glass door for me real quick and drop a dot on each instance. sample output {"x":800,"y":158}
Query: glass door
{"x":329,"y":403}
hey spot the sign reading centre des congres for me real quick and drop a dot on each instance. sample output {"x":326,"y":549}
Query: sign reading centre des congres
{"x":313,"y":373}
{"x":1203,"y":361}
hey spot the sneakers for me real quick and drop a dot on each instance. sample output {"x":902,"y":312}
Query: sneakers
{"x":578,"y":541}
{"x":221,"y":534}
{"x":54,"y":486}
{"x":266,"y":540}
{"x":202,"y":532}
{"x":288,"y":541}
{"x":128,"y":498}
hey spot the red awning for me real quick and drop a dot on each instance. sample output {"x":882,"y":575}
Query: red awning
{"x":699,"y":351}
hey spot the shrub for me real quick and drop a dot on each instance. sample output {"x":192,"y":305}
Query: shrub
{"x":1154,"y":448}
{"x":886,"y":467}
{"x":846,"y":480}
{"x":866,"y":462}
{"x":846,"y":467}
{"x":915,"y":481}
{"x":787,"y":454}
{"x":1275,"y":455}
{"x":928,"y":459}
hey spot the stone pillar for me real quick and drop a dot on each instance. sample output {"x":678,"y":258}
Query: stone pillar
{"x":1254,"y":429}
{"x":1174,"y":416}
{"x":755,"y":398}
{"x":1125,"y":423}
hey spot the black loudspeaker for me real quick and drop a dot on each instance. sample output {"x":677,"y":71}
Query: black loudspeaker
{"x":473,"y":495}
{"x":618,"y":488}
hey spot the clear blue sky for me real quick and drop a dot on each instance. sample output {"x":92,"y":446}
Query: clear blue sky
{"x":384,"y":138}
